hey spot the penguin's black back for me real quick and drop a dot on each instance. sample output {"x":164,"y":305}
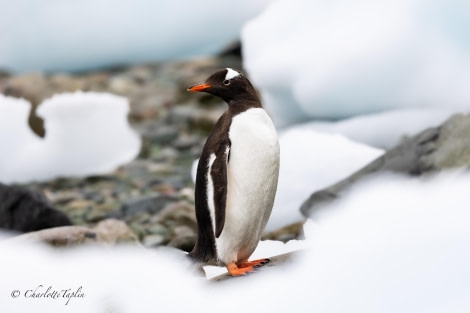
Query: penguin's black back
{"x":240,"y":96}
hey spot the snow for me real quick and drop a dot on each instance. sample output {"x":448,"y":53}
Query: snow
{"x":385,"y":129}
{"x":387,"y":246}
{"x":121,"y":280}
{"x":337,"y":59}
{"x":394,"y":247}
{"x":311,"y":161}
{"x":86,"y":134}
{"x":14,"y":133}
{"x":57,"y":35}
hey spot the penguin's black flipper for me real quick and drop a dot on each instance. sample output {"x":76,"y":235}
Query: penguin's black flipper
{"x":219,"y":178}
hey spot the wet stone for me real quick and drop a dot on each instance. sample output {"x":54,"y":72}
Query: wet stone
{"x":153,"y":240}
{"x":138,"y":229}
{"x":149,"y":203}
{"x":158,"y":229}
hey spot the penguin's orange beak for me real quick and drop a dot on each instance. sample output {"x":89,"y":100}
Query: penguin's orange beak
{"x":199,"y":87}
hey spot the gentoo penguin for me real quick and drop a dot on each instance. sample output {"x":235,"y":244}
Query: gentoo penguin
{"x":236,"y":177}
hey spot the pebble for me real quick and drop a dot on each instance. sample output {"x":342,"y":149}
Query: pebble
{"x":183,"y":238}
{"x":153,"y":240}
{"x":158,"y":229}
{"x":151,"y":204}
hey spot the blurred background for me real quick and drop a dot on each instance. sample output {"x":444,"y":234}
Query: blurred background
{"x":94,"y":110}
{"x":97,"y":128}
{"x":95,"y":119}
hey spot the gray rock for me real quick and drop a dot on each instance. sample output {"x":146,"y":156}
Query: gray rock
{"x":141,"y":217}
{"x":157,"y":228}
{"x":184,"y":238}
{"x":151,"y":203}
{"x":113,"y":231}
{"x":61,"y":197}
{"x":177,"y":222}
{"x":58,"y":236}
{"x":63,"y":82}
{"x":179,"y":213}
{"x":138,"y":229}
{"x":100,"y":212}
{"x":159,"y":134}
{"x":180,"y":114}
{"x":4,"y":74}
{"x":153,"y":240}
{"x":286,"y":233}
{"x":185,"y":142}
{"x":31,"y":86}
{"x":205,"y":119}
{"x":452,"y":147}
{"x":109,"y":231}
{"x":432,"y":150}
{"x":121,"y":85}
{"x":141,"y":73}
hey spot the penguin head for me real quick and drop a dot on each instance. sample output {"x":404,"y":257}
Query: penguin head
{"x":229,"y":84}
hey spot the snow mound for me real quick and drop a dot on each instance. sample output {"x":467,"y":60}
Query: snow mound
{"x":86,"y":134}
{"x":386,"y":129}
{"x":59,"y":35}
{"x":14,"y":134}
{"x":339,"y":59}
{"x":393,"y":244}
{"x":311,"y":161}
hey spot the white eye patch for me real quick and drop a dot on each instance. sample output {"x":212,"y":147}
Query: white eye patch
{"x":231,"y":74}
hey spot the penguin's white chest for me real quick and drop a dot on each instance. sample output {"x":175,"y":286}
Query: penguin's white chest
{"x":253,"y":170}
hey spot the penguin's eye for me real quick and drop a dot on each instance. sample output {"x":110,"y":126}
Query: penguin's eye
{"x":226,"y":82}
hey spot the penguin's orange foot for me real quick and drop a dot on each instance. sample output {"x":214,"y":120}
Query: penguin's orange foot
{"x":235,"y":270}
{"x":254,"y":263}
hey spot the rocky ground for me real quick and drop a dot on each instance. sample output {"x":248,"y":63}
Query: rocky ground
{"x":154,"y":193}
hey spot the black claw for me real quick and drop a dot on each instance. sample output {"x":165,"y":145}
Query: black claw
{"x":266,"y":261}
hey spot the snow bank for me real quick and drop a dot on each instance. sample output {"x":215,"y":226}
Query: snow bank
{"x":386,"y":129}
{"x":56,"y":35}
{"x":388,"y":246}
{"x":14,"y":133}
{"x":104,"y":280}
{"x":336,"y":59}
{"x":311,"y":161}
{"x":393,"y":245}
{"x":86,"y":134}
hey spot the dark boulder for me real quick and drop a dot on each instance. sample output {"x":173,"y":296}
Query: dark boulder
{"x":25,"y":210}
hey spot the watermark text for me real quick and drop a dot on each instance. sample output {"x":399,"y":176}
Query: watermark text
{"x":49,"y":292}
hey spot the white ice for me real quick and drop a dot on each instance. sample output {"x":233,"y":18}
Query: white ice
{"x":55,"y":35}
{"x":336,"y":59}
{"x":385,"y":129}
{"x":86,"y":134}
{"x":392,"y":244}
{"x":310,"y":161}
